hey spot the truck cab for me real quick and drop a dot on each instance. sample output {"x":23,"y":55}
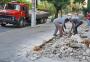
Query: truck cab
{"x":14,"y":13}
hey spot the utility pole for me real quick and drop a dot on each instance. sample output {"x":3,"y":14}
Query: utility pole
{"x":33,"y":17}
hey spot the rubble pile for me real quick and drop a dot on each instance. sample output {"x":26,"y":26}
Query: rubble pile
{"x":67,"y":48}
{"x":63,"y":49}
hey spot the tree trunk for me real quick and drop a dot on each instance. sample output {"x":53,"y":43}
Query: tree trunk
{"x":56,"y":14}
{"x":61,"y":12}
{"x":88,"y":5}
{"x":36,"y":3}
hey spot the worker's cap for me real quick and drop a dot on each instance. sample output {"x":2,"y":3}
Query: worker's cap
{"x":69,"y":14}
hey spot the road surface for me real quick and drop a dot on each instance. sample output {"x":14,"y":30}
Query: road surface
{"x":14,"y":42}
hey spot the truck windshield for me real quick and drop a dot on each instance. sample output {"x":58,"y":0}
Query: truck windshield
{"x":12,"y":7}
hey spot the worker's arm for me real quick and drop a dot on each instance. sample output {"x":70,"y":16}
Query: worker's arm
{"x":70,"y":32}
{"x":64,"y":25}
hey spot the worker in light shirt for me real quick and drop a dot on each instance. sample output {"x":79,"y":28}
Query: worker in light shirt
{"x":60,"y":25}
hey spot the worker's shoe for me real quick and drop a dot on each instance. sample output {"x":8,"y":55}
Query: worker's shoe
{"x":54,"y":35}
{"x":60,"y":35}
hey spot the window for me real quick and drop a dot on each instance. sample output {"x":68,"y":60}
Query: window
{"x":12,"y":7}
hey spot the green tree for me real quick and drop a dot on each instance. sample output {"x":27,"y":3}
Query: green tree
{"x":77,"y":4}
{"x":5,"y":1}
{"x":79,"y":1}
{"x":88,"y":5}
{"x":59,"y":5}
{"x":21,"y":0}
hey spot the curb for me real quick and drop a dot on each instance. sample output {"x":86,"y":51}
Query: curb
{"x":39,"y":47}
{"x":46,"y":42}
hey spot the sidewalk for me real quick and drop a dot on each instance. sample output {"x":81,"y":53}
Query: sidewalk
{"x":15,"y":43}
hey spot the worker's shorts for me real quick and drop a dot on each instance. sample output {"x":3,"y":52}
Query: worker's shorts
{"x":57,"y":23}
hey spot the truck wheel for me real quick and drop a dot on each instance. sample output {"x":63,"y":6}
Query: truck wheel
{"x":3,"y":24}
{"x":41,"y":21}
{"x":44,"y":20}
{"x":21,"y":23}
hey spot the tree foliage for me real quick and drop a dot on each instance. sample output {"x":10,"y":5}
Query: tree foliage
{"x":58,"y":4}
{"x":5,"y":1}
{"x":79,"y":1}
{"x":22,"y":1}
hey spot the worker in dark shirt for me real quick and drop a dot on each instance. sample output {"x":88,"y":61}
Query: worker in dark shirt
{"x":75,"y":20}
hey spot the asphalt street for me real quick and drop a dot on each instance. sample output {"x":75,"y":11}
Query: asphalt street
{"x":3,"y":29}
{"x":7,"y":28}
{"x":14,"y":42}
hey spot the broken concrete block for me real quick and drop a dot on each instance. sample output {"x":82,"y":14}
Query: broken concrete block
{"x":83,"y":36}
{"x":86,"y":42}
{"x":88,"y":52}
{"x":37,"y":48}
{"x":76,"y":38}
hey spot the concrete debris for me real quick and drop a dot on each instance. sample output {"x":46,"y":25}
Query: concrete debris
{"x":64,"y":48}
{"x":86,"y":42}
{"x":83,"y":36}
{"x":76,"y":38}
{"x":33,"y":55}
{"x":37,"y":48}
